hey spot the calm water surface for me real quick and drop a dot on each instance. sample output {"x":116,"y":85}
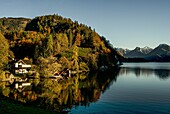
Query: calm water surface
{"x":135,"y":88}
{"x":138,"y":88}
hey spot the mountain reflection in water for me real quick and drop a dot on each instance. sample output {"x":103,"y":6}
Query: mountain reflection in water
{"x":160,"y":72}
{"x":62,"y":95}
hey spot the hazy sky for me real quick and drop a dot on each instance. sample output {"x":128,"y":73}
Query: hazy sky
{"x":125,"y":23}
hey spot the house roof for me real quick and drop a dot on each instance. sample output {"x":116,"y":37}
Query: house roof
{"x":25,"y":61}
{"x":21,"y":61}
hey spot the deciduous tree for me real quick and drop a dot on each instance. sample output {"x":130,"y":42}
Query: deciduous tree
{"x":4,"y":51}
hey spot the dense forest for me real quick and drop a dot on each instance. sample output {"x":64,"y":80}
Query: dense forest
{"x":53,"y":43}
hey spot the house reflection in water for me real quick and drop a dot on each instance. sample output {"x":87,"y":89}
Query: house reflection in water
{"x":79,"y":90}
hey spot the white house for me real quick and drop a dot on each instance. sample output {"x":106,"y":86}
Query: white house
{"x":20,"y":67}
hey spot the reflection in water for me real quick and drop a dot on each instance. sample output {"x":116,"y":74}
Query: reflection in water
{"x":143,"y":94}
{"x":138,"y":71}
{"x":138,"y":89}
{"x":63,"y":95}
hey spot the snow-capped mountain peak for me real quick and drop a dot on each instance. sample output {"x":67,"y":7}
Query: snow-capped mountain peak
{"x":160,"y":53}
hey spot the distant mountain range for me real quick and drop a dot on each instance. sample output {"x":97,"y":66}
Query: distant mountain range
{"x":160,"y":53}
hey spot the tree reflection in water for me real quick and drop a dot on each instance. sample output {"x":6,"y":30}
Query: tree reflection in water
{"x":62,"y":95}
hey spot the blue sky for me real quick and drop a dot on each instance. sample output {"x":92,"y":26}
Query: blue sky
{"x":125,"y":23}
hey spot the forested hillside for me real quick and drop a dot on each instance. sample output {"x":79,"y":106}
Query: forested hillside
{"x":13,"y":24}
{"x":54,"y":39}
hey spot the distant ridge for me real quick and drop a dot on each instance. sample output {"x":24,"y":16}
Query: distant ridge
{"x":160,"y":53}
{"x":139,"y":52}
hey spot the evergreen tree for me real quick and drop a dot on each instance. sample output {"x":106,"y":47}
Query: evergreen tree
{"x":40,"y":28}
{"x":49,"y":45}
{"x":36,"y":52}
{"x":70,"y":38}
{"x":75,"y":60}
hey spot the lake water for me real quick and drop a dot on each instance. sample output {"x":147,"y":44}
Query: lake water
{"x":139,"y":88}
{"x":134,"y":88}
